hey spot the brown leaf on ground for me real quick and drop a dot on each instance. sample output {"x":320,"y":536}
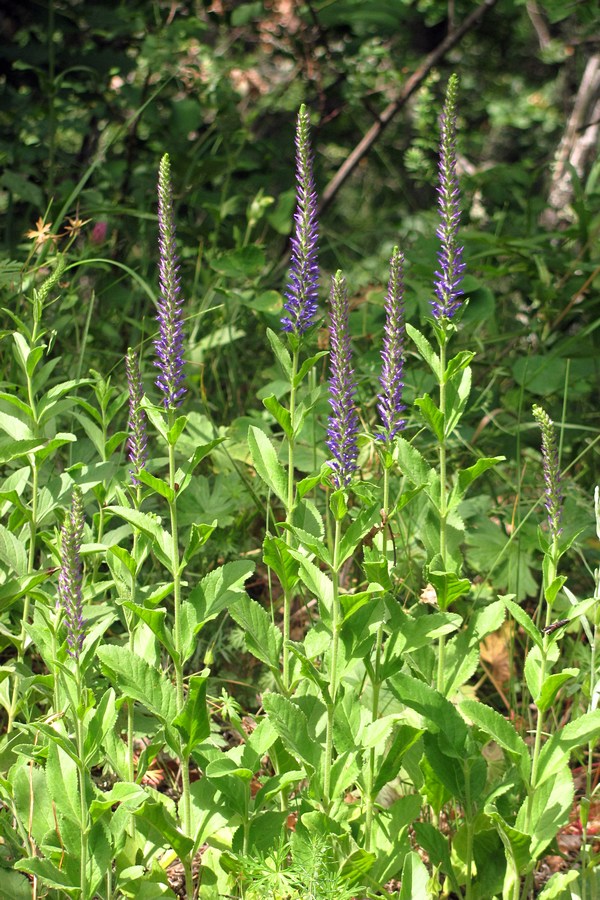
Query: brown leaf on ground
{"x":495,"y":653}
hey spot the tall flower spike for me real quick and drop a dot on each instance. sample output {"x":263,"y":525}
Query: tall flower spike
{"x":70,"y":577}
{"x":390,"y":404}
{"x":553,"y":491}
{"x":303,"y":278}
{"x":138,"y":438}
{"x":169,"y":346}
{"x":451,"y":267}
{"x":343,"y":422}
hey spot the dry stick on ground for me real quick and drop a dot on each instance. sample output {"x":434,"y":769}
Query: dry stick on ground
{"x":409,"y":88}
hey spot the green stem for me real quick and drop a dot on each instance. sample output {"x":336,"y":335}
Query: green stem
{"x":178,"y":664}
{"x":443,"y":507}
{"x":287,"y":596}
{"x":377,"y":680}
{"x":83,"y":806}
{"x":333,"y":679}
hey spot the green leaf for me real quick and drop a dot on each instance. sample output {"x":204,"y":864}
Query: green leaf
{"x":264,"y":460}
{"x":140,"y":681}
{"x":432,"y":416}
{"x":156,"y":416}
{"x":155,"y":620}
{"x":557,"y":749}
{"x":551,"y":686}
{"x":174,"y":433}
{"x":220,"y":588}
{"x":15,"y":886}
{"x":466,"y":477}
{"x":415,"y":877}
{"x":426,"y":350}
{"x":307,"y":366}
{"x":10,"y":449}
{"x":102,"y":721}
{"x":12,"y":552}
{"x":456,"y":401}
{"x":520,"y":616}
{"x":199,"y":535}
{"x":436,"y":846}
{"x":63,"y":782}
{"x":458,"y":363}
{"x":184,"y":475}
{"x":500,"y":730}
{"x":441,"y":716}
{"x":280,"y":414}
{"x":263,"y":639}
{"x":193,"y":722}
{"x":148,"y":524}
{"x":448,"y":587}
{"x":356,"y":531}
{"x":156,"y":816}
{"x":15,"y":428}
{"x":552,"y":590}
{"x":281,"y":352}
{"x":158,"y":485}
{"x":517,"y":848}
{"x":291,"y":725}
{"x":411,"y":463}
{"x":277,"y":556}
{"x":556,"y":886}
{"x":405,"y":738}
{"x":49,"y":874}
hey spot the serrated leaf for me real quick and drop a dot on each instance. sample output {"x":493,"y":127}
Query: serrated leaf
{"x":456,"y":401}
{"x":432,"y":416}
{"x":425,"y":349}
{"x":448,"y":587}
{"x":264,"y":460}
{"x":441,"y":716}
{"x":15,"y":428}
{"x":279,"y":413}
{"x":520,"y":616}
{"x":457,"y":363}
{"x":219,"y":589}
{"x":155,"y":620}
{"x":551,"y":687}
{"x":291,"y":724}
{"x":277,"y":556}
{"x":158,"y":485}
{"x":411,"y":463}
{"x":263,"y":639}
{"x":500,"y":730}
{"x":174,"y":433}
{"x":154,"y":814}
{"x":12,"y":552}
{"x":557,"y":749}
{"x":192,"y":722}
{"x":140,"y":681}
{"x":307,"y":366}
{"x":281,"y":352}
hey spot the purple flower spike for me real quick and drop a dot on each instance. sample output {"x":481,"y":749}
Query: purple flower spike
{"x":303,"y":279}
{"x":343,"y":421}
{"x":390,"y":404}
{"x":71,"y":577}
{"x":138,"y":438}
{"x":169,"y":346}
{"x":451,"y":267}
{"x":554,"y":494}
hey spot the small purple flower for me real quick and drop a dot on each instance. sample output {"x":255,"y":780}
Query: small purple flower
{"x":169,"y":346}
{"x":554,"y":495}
{"x":138,"y":438}
{"x":343,"y":422}
{"x":70,"y":577}
{"x":390,"y":403}
{"x":451,"y":267}
{"x":303,"y":278}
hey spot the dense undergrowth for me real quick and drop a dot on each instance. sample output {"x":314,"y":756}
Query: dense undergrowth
{"x":299,"y":587}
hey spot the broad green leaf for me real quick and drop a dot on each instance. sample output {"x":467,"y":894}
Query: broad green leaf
{"x":49,"y":874}
{"x":319,"y":584}
{"x":263,"y":639}
{"x":552,"y":590}
{"x":292,"y":726}
{"x":264,"y":460}
{"x":15,"y":428}
{"x":148,"y":524}
{"x":157,"y":417}
{"x":500,"y":730}
{"x":433,"y":416}
{"x":138,"y":680}
{"x":435,"y":845}
{"x":103,"y":720}
{"x":549,"y":811}
{"x":192,"y":722}
{"x":556,"y":886}
{"x":15,"y":886}
{"x":10,"y":449}
{"x":158,"y":485}
{"x":280,"y":414}
{"x":441,"y":716}
{"x":535,"y":668}
{"x":63,"y":782}
{"x":220,"y":588}
{"x":183,"y":476}
{"x":426,"y":350}
{"x":516,"y":846}
{"x":199,"y":535}
{"x":466,"y":477}
{"x":405,"y":738}
{"x":356,"y":531}
{"x":277,"y":556}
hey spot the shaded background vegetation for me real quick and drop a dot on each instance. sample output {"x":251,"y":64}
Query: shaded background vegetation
{"x":94,"y":93}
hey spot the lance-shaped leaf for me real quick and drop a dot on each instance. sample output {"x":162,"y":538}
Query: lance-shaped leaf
{"x":264,"y":460}
{"x":138,"y":680}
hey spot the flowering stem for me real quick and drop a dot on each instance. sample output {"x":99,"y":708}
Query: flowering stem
{"x":178,"y":661}
{"x":333,"y":679}
{"x":443,"y":507}
{"x":377,"y":680}
{"x":287,"y":599}
{"x":83,"y":806}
